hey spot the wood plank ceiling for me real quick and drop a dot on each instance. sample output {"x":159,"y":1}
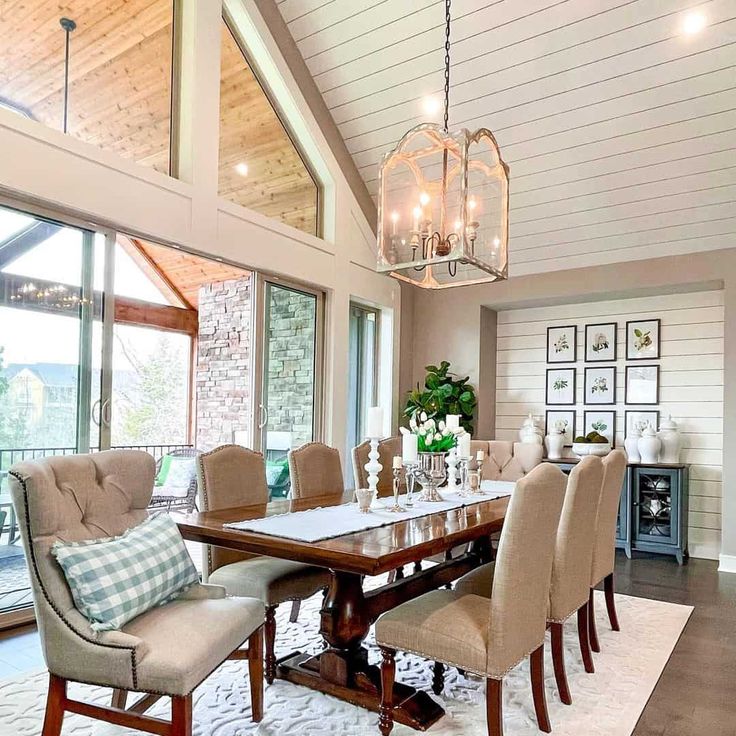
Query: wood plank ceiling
{"x":120,"y":88}
{"x":619,"y":128}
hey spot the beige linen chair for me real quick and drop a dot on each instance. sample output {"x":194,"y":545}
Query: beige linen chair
{"x":229,"y":476}
{"x":488,"y":637}
{"x":387,"y":450}
{"x":569,"y":591}
{"x":315,"y":470}
{"x":81,"y":497}
{"x":604,"y":547}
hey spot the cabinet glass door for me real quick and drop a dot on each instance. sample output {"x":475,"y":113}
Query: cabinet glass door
{"x":655,"y":516}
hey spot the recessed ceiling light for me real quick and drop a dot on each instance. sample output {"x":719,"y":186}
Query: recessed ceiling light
{"x":242,"y":169}
{"x":693,"y":23}
{"x":431,"y":105}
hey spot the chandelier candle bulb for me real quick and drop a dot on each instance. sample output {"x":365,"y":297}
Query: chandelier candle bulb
{"x":374,"y":423}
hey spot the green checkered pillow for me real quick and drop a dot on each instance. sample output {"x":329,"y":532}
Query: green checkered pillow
{"x":113,"y":580}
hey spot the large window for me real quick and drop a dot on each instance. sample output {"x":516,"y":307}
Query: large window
{"x":118,"y":90}
{"x":260,"y":167}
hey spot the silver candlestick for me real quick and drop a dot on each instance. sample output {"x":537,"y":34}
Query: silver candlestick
{"x":464,"y":472}
{"x":397,"y":481}
{"x":410,"y":481}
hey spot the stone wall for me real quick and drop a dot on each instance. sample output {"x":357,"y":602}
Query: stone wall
{"x":222,"y":389}
{"x":223,"y":400}
{"x":291,"y":364}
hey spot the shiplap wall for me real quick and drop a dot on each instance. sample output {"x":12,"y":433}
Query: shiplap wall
{"x":691,"y":383}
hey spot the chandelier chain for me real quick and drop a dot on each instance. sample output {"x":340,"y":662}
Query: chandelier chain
{"x":447,"y":64}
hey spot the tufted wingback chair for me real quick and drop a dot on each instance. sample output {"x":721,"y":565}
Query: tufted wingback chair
{"x":510,"y":460}
{"x":86,"y":497}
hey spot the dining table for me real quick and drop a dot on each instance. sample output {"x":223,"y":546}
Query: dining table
{"x":349,"y":608}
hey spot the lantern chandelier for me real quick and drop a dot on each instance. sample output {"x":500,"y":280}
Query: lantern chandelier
{"x":443,"y":204}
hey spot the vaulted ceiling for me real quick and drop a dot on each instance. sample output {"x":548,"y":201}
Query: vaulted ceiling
{"x":619,"y":129}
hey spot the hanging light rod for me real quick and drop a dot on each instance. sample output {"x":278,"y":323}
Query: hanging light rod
{"x":443,"y":203}
{"x":68,"y":25}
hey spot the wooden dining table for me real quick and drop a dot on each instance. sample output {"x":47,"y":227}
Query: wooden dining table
{"x":342,"y":669}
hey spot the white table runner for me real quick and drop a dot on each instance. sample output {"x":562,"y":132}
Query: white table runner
{"x":314,"y":525}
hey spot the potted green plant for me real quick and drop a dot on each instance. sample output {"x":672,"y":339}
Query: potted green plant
{"x":443,"y":393}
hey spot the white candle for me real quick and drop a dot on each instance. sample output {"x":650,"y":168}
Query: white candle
{"x":394,"y":221}
{"x":417,"y":214}
{"x":480,"y":456}
{"x":409,"y":448}
{"x":452,"y":421}
{"x":397,"y":462}
{"x":463,"y":445}
{"x":374,"y":422}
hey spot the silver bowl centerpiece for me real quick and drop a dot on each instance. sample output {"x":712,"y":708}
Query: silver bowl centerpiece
{"x":434,"y":441}
{"x":431,"y":473}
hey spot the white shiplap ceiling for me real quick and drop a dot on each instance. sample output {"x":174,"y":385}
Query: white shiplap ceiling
{"x":619,"y":129}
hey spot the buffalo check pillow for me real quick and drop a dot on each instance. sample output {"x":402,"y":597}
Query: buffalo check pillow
{"x":113,"y":580}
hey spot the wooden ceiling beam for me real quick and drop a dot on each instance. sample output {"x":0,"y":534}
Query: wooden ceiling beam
{"x":162,"y":317}
{"x":153,"y":271}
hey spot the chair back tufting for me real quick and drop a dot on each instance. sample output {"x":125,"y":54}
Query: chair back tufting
{"x":74,"y":498}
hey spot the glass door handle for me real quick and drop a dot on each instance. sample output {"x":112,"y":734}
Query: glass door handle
{"x":97,"y":416}
{"x":264,"y":417}
{"x":105,"y":413}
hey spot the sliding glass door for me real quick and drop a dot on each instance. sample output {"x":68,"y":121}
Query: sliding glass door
{"x":290,"y":381}
{"x":52,"y":398}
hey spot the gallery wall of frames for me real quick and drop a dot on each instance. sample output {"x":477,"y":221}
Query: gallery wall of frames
{"x":604,"y":365}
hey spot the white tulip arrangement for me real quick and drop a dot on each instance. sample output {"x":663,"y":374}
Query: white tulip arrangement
{"x":432,"y":436}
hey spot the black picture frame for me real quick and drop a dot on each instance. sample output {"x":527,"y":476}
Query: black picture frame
{"x":573,"y":344}
{"x":571,"y":370}
{"x":627,"y":393}
{"x":630,"y":355}
{"x":599,"y":369}
{"x":572,"y":417}
{"x":612,"y":412}
{"x":609,"y":356}
{"x":640,"y":411}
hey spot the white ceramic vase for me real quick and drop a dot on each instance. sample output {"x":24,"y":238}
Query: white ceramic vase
{"x":649,"y":445}
{"x":530,"y":433}
{"x":669,"y":436}
{"x":555,"y":443}
{"x":631,"y":445}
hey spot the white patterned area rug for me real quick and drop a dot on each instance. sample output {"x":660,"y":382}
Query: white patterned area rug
{"x":607,"y":703}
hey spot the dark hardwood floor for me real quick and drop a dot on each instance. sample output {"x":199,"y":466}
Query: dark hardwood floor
{"x":696,"y":695}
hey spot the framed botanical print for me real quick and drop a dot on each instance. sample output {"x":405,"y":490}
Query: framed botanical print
{"x":642,"y":384}
{"x":640,"y":419}
{"x":642,"y":339}
{"x":600,"y":342}
{"x":600,"y":385}
{"x":556,"y":419}
{"x":562,"y":344}
{"x":560,"y":389}
{"x":603,"y":422}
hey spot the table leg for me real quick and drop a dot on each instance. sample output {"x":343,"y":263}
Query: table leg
{"x":342,"y":669}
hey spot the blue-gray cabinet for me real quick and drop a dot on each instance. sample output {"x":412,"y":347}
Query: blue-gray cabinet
{"x":652,"y":515}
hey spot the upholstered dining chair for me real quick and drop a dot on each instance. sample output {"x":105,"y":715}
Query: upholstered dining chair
{"x":604,"y":547}
{"x":569,"y":591}
{"x":233,"y":475}
{"x":482,"y":636}
{"x":86,"y":497}
{"x":315,"y":470}
{"x":387,"y":449}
